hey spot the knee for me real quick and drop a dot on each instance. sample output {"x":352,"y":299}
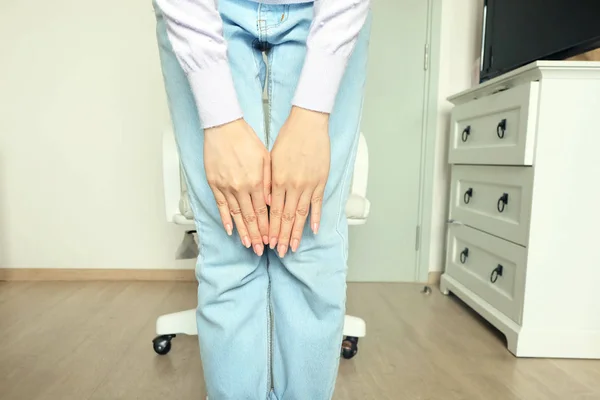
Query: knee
{"x":317,"y":276}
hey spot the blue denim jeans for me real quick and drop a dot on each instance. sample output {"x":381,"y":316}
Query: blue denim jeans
{"x":269,"y":328}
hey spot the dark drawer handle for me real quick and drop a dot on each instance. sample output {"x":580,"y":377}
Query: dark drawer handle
{"x":501,"y":128}
{"x":502,"y":202}
{"x":463,"y":255}
{"x":496,"y":273}
{"x":467,"y":196}
{"x":465,"y":133}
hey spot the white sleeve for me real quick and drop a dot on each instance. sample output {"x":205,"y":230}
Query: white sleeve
{"x":195,"y":30}
{"x":331,"y":41}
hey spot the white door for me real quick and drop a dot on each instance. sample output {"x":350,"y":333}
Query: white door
{"x":385,"y":248}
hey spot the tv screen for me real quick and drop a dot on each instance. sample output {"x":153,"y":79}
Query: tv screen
{"x":517,"y":32}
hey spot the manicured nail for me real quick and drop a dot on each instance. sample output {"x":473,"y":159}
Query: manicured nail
{"x":258,"y":249}
{"x":295,"y":244}
{"x":247,"y":242}
{"x":282,"y":249}
{"x":316,"y":228}
{"x":229,"y":229}
{"x":273,"y":243}
{"x":266,"y":240}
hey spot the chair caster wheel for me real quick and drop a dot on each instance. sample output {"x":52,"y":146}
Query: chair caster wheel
{"x":162,"y":344}
{"x":349,"y":347}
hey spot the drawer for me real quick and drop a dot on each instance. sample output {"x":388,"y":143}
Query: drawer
{"x":490,"y":267}
{"x":493,"y":199}
{"x":498,"y":129}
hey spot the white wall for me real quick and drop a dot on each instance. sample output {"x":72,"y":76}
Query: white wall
{"x":82,"y":107}
{"x":460,"y":48}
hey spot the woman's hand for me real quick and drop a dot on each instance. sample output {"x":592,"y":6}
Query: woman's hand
{"x":238,"y":169}
{"x":300,"y":167}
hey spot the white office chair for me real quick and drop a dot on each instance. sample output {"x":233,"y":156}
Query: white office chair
{"x":179,"y":212}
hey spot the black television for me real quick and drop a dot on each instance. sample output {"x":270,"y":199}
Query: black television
{"x":518,"y":32}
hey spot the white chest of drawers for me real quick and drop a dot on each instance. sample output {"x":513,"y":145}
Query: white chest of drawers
{"x":523,"y":245}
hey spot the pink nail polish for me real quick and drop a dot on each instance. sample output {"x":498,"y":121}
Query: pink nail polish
{"x":258,"y":249}
{"x":266,"y":240}
{"x":282,"y":249}
{"x":316,"y":228}
{"x":295,"y":243}
{"x":273,"y":243}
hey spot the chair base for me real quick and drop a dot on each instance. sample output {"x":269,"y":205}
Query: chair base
{"x":184,"y":323}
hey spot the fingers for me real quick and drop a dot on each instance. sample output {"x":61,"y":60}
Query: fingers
{"x":316,"y":205}
{"x":262,"y":215}
{"x":277,"y":204}
{"x":267,"y":179}
{"x":261,"y":197}
{"x":287,"y":221}
{"x":223,"y":210}
{"x":251,"y":220}
{"x":300,"y":219}
{"x":250,"y":215}
{"x":288,"y":215}
{"x":236,"y":213}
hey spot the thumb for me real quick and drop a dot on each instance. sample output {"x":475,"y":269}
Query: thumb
{"x":267,"y":178}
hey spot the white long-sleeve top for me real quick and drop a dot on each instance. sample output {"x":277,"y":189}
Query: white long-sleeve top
{"x":195,"y":30}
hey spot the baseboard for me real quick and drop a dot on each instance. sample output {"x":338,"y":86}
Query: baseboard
{"x":67,"y":274}
{"x":434,"y":277}
{"x":77,"y":274}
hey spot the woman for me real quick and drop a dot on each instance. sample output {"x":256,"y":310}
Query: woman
{"x":271,"y":293}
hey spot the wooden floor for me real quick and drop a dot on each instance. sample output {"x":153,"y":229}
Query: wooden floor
{"x":92,"y":341}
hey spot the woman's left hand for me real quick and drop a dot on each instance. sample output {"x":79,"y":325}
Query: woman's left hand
{"x":299,"y":169}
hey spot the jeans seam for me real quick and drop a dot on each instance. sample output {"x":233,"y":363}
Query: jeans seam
{"x":269,"y":341}
{"x":345,"y":181}
{"x":257,"y":75}
{"x":270,"y":95}
{"x":266,"y":131}
{"x":259,"y":24}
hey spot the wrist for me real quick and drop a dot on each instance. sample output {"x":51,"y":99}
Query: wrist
{"x":208,"y":131}
{"x":306,"y":114}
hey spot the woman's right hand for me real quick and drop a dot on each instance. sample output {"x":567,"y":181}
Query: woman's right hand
{"x":238,"y":170}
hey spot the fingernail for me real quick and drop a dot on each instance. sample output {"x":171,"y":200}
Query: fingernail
{"x":266,"y":240}
{"x":247,"y":242}
{"x":273,"y":243}
{"x":282,"y":249}
{"x":258,"y":249}
{"x":315,"y":228}
{"x":229,"y":229}
{"x":295,"y":243}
